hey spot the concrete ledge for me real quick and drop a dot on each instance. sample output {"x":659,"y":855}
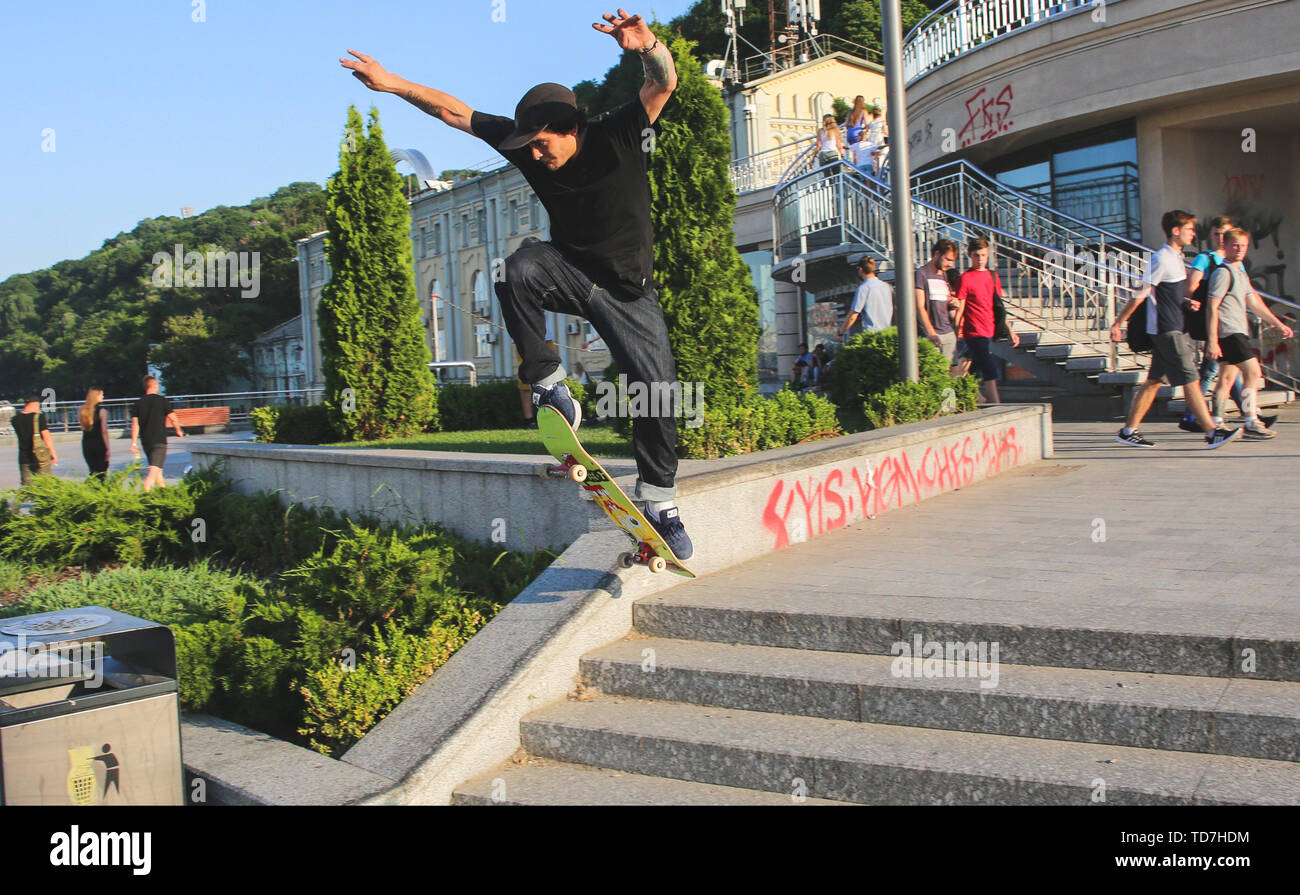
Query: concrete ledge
{"x":465,"y":720}
{"x":466,"y":493}
{"x":239,"y":766}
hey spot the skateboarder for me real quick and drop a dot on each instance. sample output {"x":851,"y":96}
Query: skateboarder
{"x":592,"y":177}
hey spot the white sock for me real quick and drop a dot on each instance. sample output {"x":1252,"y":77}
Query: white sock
{"x":1126,"y":431}
{"x":654,"y":507}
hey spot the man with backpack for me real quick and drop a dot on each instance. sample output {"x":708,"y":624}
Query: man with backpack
{"x":1230,"y":294}
{"x":1198,"y":284}
{"x":1171,"y":354}
{"x":36,"y":453}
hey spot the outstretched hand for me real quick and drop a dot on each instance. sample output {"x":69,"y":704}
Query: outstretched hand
{"x":368,"y":72}
{"x":631,"y":32}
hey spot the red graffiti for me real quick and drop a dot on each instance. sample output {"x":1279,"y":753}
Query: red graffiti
{"x":986,"y":115}
{"x":812,"y":507}
{"x":1243,"y":186}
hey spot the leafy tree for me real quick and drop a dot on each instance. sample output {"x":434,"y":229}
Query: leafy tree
{"x":859,"y":21}
{"x":377,"y":382}
{"x":194,"y":355}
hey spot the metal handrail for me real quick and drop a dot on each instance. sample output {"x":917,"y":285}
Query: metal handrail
{"x":766,"y":168}
{"x":1075,"y":305}
{"x":962,"y":25}
{"x":1044,"y":289}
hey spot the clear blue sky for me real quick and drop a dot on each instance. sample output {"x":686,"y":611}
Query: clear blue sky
{"x":152,"y":111}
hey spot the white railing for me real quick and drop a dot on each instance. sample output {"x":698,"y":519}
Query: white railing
{"x":961,"y":25}
{"x":764,"y":169}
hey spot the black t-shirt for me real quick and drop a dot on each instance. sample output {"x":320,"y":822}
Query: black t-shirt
{"x":22,"y":423}
{"x":599,"y":202}
{"x":152,"y":412}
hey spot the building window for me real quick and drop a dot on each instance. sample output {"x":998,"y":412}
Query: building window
{"x":482,"y":347}
{"x":513,"y":214}
{"x":1092,"y":176}
{"x":481,"y":228}
{"x":760,"y":270}
{"x":534,"y":212}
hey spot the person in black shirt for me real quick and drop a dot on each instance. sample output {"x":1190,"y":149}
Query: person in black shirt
{"x":592,"y":177}
{"x":150,"y":417}
{"x":94,"y":434}
{"x":34,"y":458}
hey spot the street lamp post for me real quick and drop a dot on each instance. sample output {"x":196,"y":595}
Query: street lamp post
{"x":900,"y":183}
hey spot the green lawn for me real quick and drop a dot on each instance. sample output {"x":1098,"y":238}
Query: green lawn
{"x":598,"y":440}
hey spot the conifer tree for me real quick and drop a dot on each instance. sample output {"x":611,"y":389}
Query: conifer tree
{"x":373,"y":353}
{"x":706,"y":290}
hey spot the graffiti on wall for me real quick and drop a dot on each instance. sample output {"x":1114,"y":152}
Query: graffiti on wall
{"x":813,"y":505}
{"x":987,"y":115}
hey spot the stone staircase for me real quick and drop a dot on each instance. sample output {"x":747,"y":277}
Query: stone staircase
{"x":741,"y":697}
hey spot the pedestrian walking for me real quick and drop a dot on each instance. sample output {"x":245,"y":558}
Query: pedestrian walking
{"x":36,"y":453}
{"x":95,"y":446}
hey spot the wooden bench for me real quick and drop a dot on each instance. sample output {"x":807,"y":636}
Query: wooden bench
{"x":202,"y":417}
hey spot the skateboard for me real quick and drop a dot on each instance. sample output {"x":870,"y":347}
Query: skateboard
{"x":577,"y":465}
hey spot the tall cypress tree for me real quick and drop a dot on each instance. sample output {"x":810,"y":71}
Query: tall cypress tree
{"x":373,"y":353}
{"x":707,"y":293}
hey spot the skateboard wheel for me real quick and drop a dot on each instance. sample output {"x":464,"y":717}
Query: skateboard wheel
{"x":578,"y":474}
{"x":626,"y":560}
{"x":657,"y":564}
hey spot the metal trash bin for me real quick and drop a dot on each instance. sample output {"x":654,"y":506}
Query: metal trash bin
{"x":89,"y":710}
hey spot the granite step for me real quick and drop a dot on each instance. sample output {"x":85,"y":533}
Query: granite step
{"x":542,"y":782}
{"x":1248,"y":718}
{"x":888,"y":764}
{"x":844,"y":617}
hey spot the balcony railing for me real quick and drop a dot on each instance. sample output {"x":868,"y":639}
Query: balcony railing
{"x":961,"y":25}
{"x":764,"y":169}
{"x":789,"y":55}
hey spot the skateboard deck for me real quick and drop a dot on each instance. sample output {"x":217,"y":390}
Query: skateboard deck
{"x":579,"y":466}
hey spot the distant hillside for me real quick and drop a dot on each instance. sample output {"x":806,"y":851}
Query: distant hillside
{"x":90,"y":322}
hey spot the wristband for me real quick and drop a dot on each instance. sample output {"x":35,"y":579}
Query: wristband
{"x":648,"y":50}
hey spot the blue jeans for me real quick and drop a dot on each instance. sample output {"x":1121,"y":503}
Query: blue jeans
{"x":538,"y":278}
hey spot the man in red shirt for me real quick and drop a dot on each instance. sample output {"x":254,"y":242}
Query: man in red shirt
{"x":979,"y":289}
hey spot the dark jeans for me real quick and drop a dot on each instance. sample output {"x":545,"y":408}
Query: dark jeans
{"x":538,"y":278}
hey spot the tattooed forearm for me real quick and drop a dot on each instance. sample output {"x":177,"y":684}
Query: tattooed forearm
{"x":659,"y":66}
{"x":423,"y":104}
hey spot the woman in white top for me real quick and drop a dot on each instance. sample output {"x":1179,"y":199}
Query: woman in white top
{"x":830,"y":144}
{"x":877,"y":131}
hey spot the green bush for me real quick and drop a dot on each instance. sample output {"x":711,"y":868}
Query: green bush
{"x":495,"y":405}
{"x":343,"y":703}
{"x":757,"y":423}
{"x":864,"y":379}
{"x":89,"y":523}
{"x":293,"y":424}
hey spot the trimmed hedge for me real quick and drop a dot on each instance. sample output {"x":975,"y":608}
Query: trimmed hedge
{"x":293,"y":424}
{"x":865,"y":383}
{"x":758,"y":424}
{"x":495,"y":405}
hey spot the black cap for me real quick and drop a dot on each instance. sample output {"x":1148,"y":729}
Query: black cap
{"x":544,"y":105}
